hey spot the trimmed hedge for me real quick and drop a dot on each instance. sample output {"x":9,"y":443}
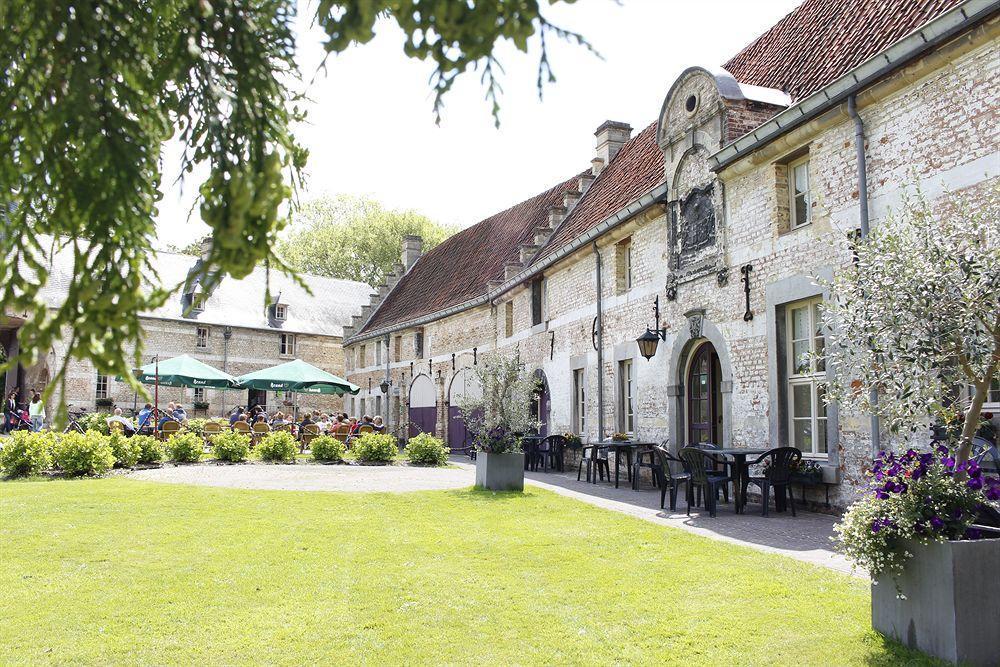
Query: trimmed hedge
{"x":185,"y":448}
{"x":83,"y":453}
{"x":26,"y":453}
{"x":327,"y":448}
{"x":426,"y":450}
{"x":233,"y":447}
{"x":126,"y":450}
{"x":95,"y":421}
{"x":278,"y":446}
{"x":150,"y":449}
{"x":375,"y":448}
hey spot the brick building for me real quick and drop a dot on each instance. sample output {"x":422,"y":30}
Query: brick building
{"x":724,"y":211}
{"x":228,"y":327}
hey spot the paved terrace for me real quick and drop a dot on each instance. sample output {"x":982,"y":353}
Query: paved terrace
{"x":805,"y":538}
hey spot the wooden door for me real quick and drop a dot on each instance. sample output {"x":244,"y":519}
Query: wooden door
{"x":703,"y":384}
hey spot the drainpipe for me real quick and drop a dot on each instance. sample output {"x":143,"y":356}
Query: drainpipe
{"x":859,"y":147}
{"x":388,"y":394}
{"x":227,"y":333}
{"x":600,"y":346}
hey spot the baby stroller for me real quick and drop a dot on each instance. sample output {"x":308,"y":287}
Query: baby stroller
{"x":19,"y":421}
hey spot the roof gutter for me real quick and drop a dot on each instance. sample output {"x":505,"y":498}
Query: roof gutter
{"x":630,"y":210}
{"x":918,"y":42}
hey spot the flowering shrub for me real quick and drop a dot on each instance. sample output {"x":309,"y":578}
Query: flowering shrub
{"x":917,"y":496}
{"x":126,"y":450}
{"x":425,"y":449}
{"x":83,"y":453}
{"x":375,"y":448}
{"x":572,"y":440}
{"x":502,"y":408}
{"x":802,"y":467}
{"x":185,"y":448}
{"x":278,"y":446}
{"x":233,"y":447}
{"x":150,"y":449}
{"x":95,"y":421}
{"x":26,"y":453}
{"x":327,"y":448}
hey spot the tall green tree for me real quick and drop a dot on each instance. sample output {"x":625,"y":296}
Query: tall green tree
{"x":91,"y":90}
{"x":354,"y":238}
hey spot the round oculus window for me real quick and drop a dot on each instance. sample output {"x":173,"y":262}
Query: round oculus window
{"x":691,"y":103}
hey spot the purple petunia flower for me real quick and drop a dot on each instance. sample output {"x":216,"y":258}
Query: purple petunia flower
{"x":973,"y":533}
{"x":948,"y":462}
{"x":936,"y":523}
{"x":942,"y":450}
{"x":974,"y":483}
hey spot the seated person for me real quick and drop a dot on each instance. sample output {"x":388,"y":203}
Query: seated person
{"x":179,"y":414}
{"x":306,"y":420}
{"x":279,"y":419}
{"x":127,"y":426}
{"x":145,"y":419}
{"x":167,"y":416}
{"x":378,"y":423}
{"x":237,"y":416}
{"x":261,"y":418}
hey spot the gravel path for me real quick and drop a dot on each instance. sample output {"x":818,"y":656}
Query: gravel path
{"x":392,"y":479}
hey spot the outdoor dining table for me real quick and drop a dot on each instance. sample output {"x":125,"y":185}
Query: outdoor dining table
{"x":620,"y":447}
{"x":740,"y":471}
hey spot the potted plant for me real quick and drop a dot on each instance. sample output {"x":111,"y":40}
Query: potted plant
{"x":499,"y":415}
{"x":104,"y":402}
{"x":804,"y":472}
{"x":620,"y":437}
{"x":912,"y":335}
{"x":573,"y":441}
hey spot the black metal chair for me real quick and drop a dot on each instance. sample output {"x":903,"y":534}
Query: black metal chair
{"x":550,"y":452}
{"x":719,"y":466}
{"x":667,"y":479}
{"x":644,"y":458}
{"x":983,"y":449}
{"x":595,"y":457}
{"x":698,"y":463}
{"x":782,"y":462}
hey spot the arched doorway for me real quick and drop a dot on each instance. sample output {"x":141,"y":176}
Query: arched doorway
{"x":704,"y":396}
{"x":422,"y":405}
{"x":464,"y":386}
{"x":540,"y":402}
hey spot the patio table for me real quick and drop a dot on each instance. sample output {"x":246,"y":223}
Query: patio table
{"x":620,"y":447}
{"x":740,"y":473}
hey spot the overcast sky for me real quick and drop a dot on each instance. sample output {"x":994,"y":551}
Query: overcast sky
{"x":371,"y":128}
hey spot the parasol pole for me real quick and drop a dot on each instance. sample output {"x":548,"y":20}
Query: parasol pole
{"x":156,"y":394}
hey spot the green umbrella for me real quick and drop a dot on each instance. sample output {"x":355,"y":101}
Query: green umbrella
{"x":297,"y":376}
{"x":184,"y":371}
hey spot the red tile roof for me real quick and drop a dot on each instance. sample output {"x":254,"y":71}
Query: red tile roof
{"x":823,"y":39}
{"x":459,"y":268}
{"x":636,"y":169}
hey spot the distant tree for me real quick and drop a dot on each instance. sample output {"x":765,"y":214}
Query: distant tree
{"x":354,"y":238}
{"x":193,"y":248}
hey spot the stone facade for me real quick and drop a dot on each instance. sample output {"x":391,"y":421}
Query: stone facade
{"x":931,"y":122}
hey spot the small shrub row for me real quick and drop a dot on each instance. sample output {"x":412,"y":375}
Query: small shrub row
{"x":83,"y":453}
{"x":279,"y":446}
{"x":327,"y":448}
{"x":231,"y":446}
{"x":426,"y":450}
{"x":24,"y":454}
{"x":375,"y":448}
{"x":185,"y":448}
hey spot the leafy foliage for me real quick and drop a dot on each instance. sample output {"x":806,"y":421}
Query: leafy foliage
{"x":375,"y":448}
{"x":185,"y":448}
{"x":916,"y":316}
{"x":26,"y":453}
{"x":278,"y":446}
{"x":427,"y":450}
{"x":83,"y":453}
{"x":126,"y":450}
{"x":353,"y":238}
{"x":197,"y":425}
{"x":924,"y":497}
{"x":150,"y":449}
{"x":231,"y":446}
{"x":327,"y":448}
{"x":501,"y":413}
{"x":95,"y":421}
{"x":89,"y":95}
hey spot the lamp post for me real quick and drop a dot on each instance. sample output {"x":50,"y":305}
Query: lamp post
{"x":649,"y":341}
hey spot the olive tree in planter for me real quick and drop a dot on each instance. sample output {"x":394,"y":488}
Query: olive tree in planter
{"x":914,"y":337}
{"x":498,"y":417}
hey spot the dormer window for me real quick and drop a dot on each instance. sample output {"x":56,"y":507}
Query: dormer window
{"x":197,"y":301}
{"x":280,"y":312}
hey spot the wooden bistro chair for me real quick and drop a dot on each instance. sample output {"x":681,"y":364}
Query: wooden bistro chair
{"x":282,"y":427}
{"x":309,"y":432}
{"x":343,"y":433}
{"x":241,"y":427}
{"x":366,"y":428}
{"x":258,"y":431}
{"x":116,"y":427}
{"x":211,"y":428}
{"x":169,"y":428}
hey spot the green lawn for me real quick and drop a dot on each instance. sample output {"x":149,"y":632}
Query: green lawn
{"x":114,"y":570}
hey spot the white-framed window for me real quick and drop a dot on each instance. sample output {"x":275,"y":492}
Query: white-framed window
{"x":286,"y":347}
{"x":199,"y":394}
{"x":102,"y":386}
{"x":799,"y":197}
{"x":579,"y":402}
{"x":418,"y":344}
{"x":508,"y":318}
{"x":623,"y":265}
{"x":198,"y":300}
{"x":537,"y":301}
{"x":994,"y":396}
{"x":280,"y":311}
{"x":806,"y":378}
{"x":626,"y":391}
{"x":201,"y":337}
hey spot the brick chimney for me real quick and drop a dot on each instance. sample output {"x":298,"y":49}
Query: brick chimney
{"x":412,"y":247}
{"x":611,"y":136}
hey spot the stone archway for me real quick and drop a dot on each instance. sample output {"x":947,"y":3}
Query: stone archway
{"x":422,"y":405}
{"x":541,"y":405}
{"x":464,"y":384}
{"x":686,"y":345}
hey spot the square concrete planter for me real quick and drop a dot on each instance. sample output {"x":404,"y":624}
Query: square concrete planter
{"x":952,"y":605}
{"x":500,"y":472}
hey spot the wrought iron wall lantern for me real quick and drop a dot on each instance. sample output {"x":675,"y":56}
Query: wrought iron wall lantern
{"x":385,"y":386}
{"x":649,"y":341}
{"x":746,"y":270}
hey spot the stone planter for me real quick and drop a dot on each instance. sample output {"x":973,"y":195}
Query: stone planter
{"x":952,"y":605}
{"x":500,"y":472}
